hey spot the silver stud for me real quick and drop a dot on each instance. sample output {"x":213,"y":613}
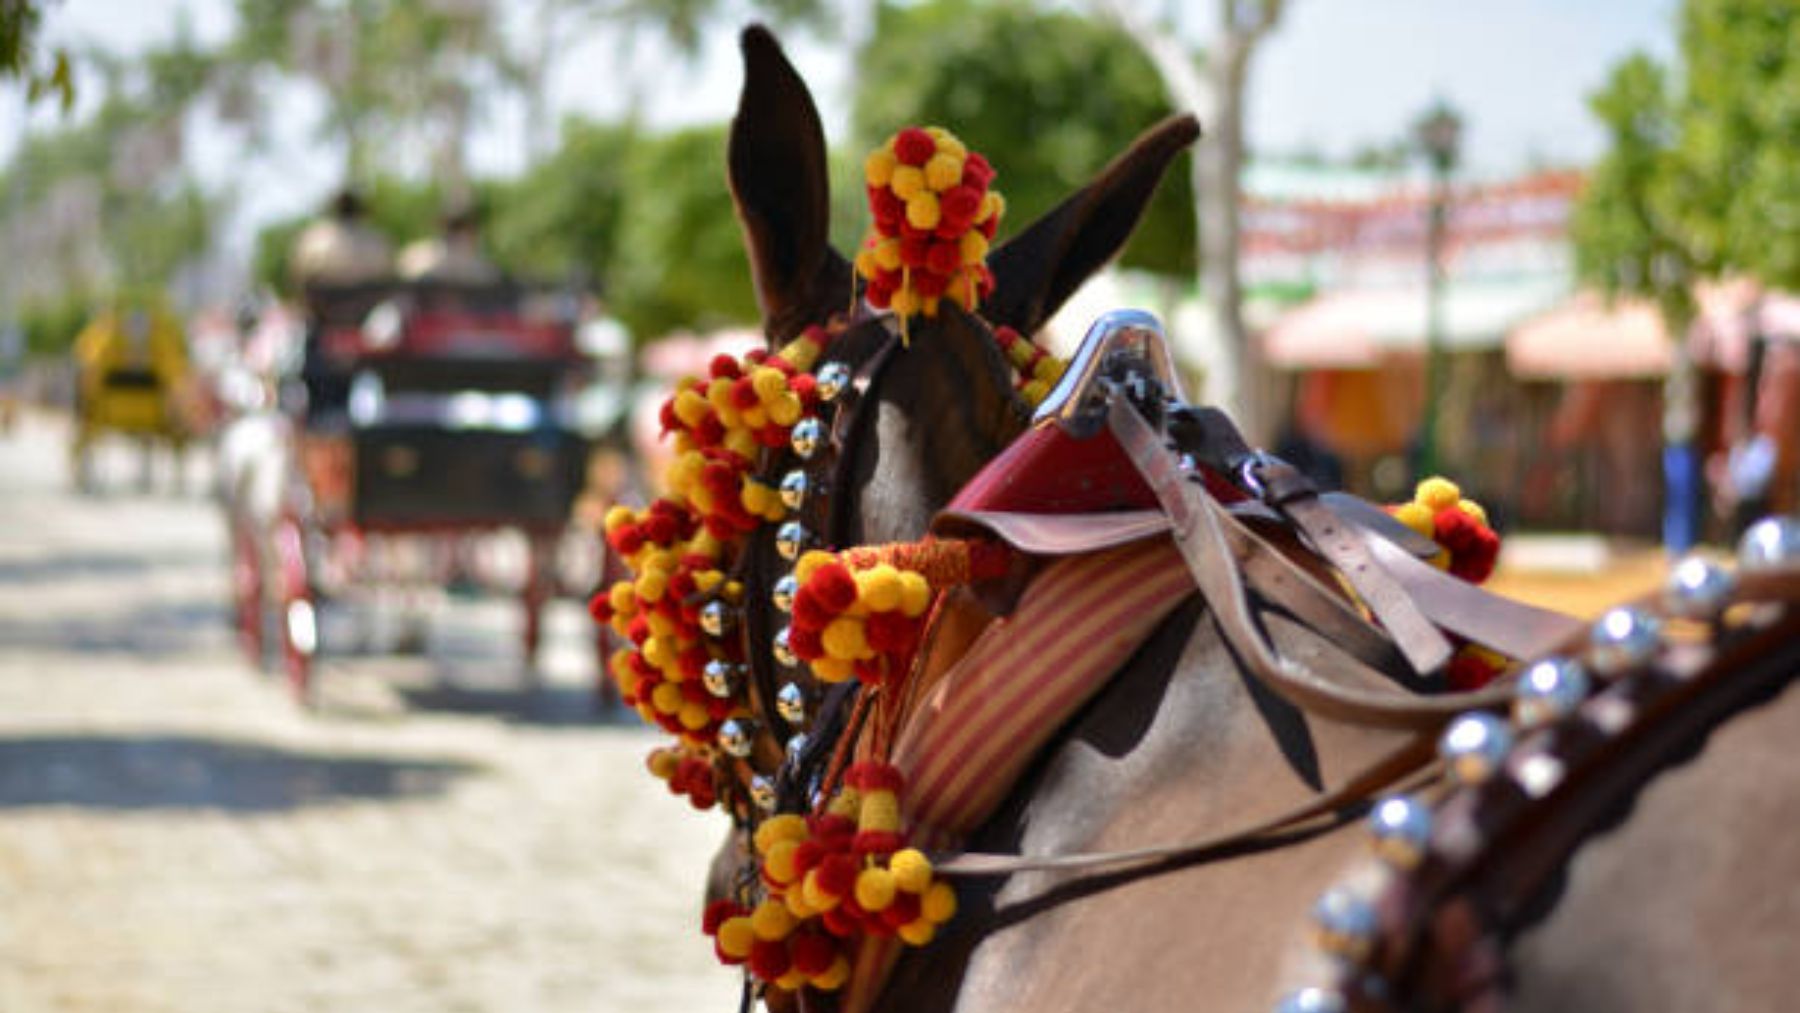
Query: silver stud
{"x":784,"y":651}
{"x":795,"y":746}
{"x":1402,"y":828}
{"x":807,"y":437}
{"x":1549,"y":691}
{"x":1772,"y":543}
{"x":1697,"y":589}
{"x":791,"y":539}
{"x":737,"y":736}
{"x":762,"y":792}
{"x":1345,"y":923}
{"x":782,"y":595}
{"x":795,"y":485}
{"x":833,"y":379}
{"x":1474,"y":747}
{"x":790,"y":703}
{"x":715,"y":618}
{"x":1312,"y":999}
{"x":722,"y":678}
{"x":1624,"y":638}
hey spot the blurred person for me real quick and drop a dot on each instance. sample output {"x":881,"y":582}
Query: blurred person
{"x":342,"y":247}
{"x":452,"y":256}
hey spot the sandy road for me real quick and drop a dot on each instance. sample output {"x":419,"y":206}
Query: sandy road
{"x":176,"y":836}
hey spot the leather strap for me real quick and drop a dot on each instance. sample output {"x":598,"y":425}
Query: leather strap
{"x":1511,"y":627}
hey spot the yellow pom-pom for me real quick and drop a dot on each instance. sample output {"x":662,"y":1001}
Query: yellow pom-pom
{"x":915,"y":594}
{"x":832,"y":670}
{"x":947,"y":143}
{"x":919,"y":933}
{"x":659,"y":651}
{"x":844,"y":639}
{"x":662,"y":763}
{"x":667,"y":698}
{"x":623,"y":598}
{"x":754,"y":418}
{"x":905,"y":302}
{"x":809,"y":562}
{"x":1437,"y":493}
{"x":911,"y":869}
{"x":691,"y":408}
{"x":736,"y":937}
{"x":718,"y":395}
{"x":778,"y":864}
{"x":1049,"y":369}
{"x":833,"y":977}
{"x":922,"y":210}
{"x":660,"y":625}
{"x":866,"y":265}
{"x":795,"y":900}
{"x":880,"y":810}
{"x":992,"y":206}
{"x":845,"y":803}
{"x":1034,"y":392}
{"x":816,"y":897}
{"x":775,"y":829}
{"x":769,"y":383}
{"x":772,"y":921}
{"x":879,"y":587}
{"x":693,"y":716}
{"x":787,"y":409}
{"x":943,"y":171}
{"x":792,"y":981}
{"x":1473,"y":509}
{"x":878,"y":168}
{"x":742,"y":443}
{"x":706,"y":580}
{"x":939,"y":904}
{"x":875,"y":889}
{"x":908,"y":181}
{"x":972,"y":247}
{"x":618,"y":517}
{"x":1416,"y":516}
{"x":887,"y":254}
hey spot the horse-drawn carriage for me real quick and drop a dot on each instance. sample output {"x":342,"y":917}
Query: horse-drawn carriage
{"x":133,"y":379}
{"x":422,"y":415}
{"x":1096,"y":706}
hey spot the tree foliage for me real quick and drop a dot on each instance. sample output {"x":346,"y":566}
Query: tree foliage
{"x":44,"y":73}
{"x":1047,"y":96}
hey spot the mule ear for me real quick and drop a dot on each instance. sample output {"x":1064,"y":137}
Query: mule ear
{"x":779,"y":184}
{"x":1036,"y":270}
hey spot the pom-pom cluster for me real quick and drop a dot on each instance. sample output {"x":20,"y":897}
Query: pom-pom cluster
{"x":935,"y":217}
{"x":1468,"y":548}
{"x":1038,"y":370}
{"x":830,"y":878}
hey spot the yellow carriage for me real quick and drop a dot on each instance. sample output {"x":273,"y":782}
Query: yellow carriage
{"x":132,"y":373}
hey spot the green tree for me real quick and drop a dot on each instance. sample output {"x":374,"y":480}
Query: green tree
{"x":561,"y":218}
{"x":44,"y":73}
{"x":1048,"y":97}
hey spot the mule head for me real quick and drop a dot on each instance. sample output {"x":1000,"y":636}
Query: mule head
{"x":944,"y":406}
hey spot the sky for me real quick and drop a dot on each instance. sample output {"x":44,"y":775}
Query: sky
{"x":1337,"y":75}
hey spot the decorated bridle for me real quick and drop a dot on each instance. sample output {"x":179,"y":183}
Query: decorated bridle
{"x":759,"y":447}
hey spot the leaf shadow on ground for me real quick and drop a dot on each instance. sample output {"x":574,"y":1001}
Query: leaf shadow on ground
{"x":179,"y":772}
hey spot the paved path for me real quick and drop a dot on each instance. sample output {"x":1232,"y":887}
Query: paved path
{"x":176,"y":837}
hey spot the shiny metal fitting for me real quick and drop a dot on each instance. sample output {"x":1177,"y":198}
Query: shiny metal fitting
{"x":722,"y":678}
{"x":796,"y":485}
{"x":1772,"y":543}
{"x":790,"y":703}
{"x":1698,"y":589}
{"x":1625,"y":638}
{"x":1345,"y":923}
{"x":782,"y":594}
{"x":762,"y":792}
{"x":1312,"y":999}
{"x":782,"y":650}
{"x":795,"y":746}
{"x":807,"y":437}
{"x":832,"y":380}
{"x":791,"y":540}
{"x":716,"y":617}
{"x":1401,"y":825}
{"x":1549,"y":691}
{"x":737,"y":736}
{"x":1474,"y":747}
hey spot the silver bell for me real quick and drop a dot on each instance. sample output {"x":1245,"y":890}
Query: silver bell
{"x":721,"y":678}
{"x":762,"y":792}
{"x":1402,"y":828}
{"x":795,"y":746}
{"x":715,"y":618}
{"x":807,"y":437}
{"x":1312,"y":999}
{"x":790,"y":703}
{"x":1345,"y":923}
{"x":1474,"y":747}
{"x":1697,"y":589}
{"x":1772,"y":543}
{"x":791,"y":539}
{"x":1549,"y":691}
{"x":1624,"y":638}
{"x":737,"y":736}
{"x":782,"y":650}
{"x":795,"y":485}
{"x":782,"y":594}
{"x":833,"y":379}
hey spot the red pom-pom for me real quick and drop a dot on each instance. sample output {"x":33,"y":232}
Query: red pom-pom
{"x":904,"y":910}
{"x":960,"y":204}
{"x":771,"y":436}
{"x":769,"y":959}
{"x":837,"y":875}
{"x":834,"y":585}
{"x":810,"y":611}
{"x":989,"y":227}
{"x":667,"y":418}
{"x":890,"y":632}
{"x":929,"y":283}
{"x":805,"y":387}
{"x":638,"y":630}
{"x":807,"y":643}
{"x":807,"y":856}
{"x":723,"y":367}
{"x":871,"y":671}
{"x":743,"y":394}
{"x":877,"y":842}
{"x":710,"y":432}
{"x":813,"y":953}
{"x":944,"y":258}
{"x":873,"y":775}
{"x":977,"y":172}
{"x":889,"y":210}
{"x":841,"y":923}
{"x":1467,"y":671}
{"x":881,"y":289}
{"x":832,"y":831}
{"x":914,"y":146}
{"x":661,"y":529}
{"x":914,"y":250}
{"x":717,"y":912}
{"x":600,"y":607}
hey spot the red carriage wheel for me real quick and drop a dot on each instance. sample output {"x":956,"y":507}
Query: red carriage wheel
{"x":299,"y":612}
{"x":247,"y":590}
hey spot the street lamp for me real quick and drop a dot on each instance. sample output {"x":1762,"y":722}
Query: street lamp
{"x":1439,"y":136}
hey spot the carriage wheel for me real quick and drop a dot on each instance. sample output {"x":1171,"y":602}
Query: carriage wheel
{"x":247,"y":591}
{"x":299,"y":611}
